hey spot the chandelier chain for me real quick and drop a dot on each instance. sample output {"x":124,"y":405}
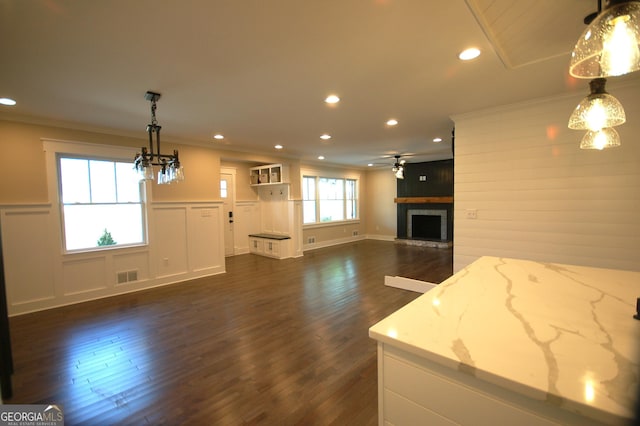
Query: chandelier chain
{"x":154,"y":121}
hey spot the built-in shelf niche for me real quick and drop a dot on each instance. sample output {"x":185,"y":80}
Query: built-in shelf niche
{"x":269,"y":174}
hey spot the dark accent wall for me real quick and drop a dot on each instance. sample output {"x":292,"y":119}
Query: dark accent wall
{"x":438,"y":183}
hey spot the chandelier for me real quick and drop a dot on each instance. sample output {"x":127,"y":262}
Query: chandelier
{"x":169,"y":168}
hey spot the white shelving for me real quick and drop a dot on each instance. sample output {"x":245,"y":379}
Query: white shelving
{"x":278,"y":236}
{"x":271,"y":246}
{"x":269,"y":174}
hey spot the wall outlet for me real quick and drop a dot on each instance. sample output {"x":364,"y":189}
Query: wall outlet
{"x":355,"y":233}
{"x":472,"y":213}
{"x":423,"y":178}
{"x":311,"y":240}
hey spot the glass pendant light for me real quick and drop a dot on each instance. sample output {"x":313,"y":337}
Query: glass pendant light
{"x":598,"y":110}
{"x":603,"y":138}
{"x":610,"y":46}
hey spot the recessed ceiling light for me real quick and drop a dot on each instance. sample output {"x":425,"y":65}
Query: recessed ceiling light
{"x":332,"y":99}
{"x":278,"y":147}
{"x":392,"y":122}
{"x":469,"y":54}
{"x":7,"y":101}
{"x":436,"y":140}
{"x":321,"y":157}
{"x":370,"y":165}
{"x":325,"y":137}
{"x":218,"y":136}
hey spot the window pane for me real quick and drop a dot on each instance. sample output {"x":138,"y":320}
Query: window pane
{"x":308,"y":197}
{"x":331,"y":210}
{"x":309,"y":211}
{"x":351,"y":189}
{"x":74,"y":176}
{"x":330,"y":189}
{"x":331,"y":194}
{"x":85,"y":224}
{"x":103,"y":181}
{"x":308,"y":188}
{"x":351,"y":202}
{"x":223,"y":189}
{"x":100,"y":197}
{"x":128,"y":183}
{"x":351,"y":209}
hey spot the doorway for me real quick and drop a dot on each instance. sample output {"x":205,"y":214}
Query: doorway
{"x":227,"y":194}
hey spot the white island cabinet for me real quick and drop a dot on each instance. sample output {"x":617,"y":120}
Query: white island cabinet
{"x":513,"y":342}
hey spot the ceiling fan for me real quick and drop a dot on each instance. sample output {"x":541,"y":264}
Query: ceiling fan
{"x":398,"y":167}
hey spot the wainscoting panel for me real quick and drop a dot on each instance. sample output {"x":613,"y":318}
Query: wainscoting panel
{"x":135,"y":265}
{"x":84,"y":275}
{"x":28,"y":257}
{"x":185,"y":242}
{"x":206,"y":243}
{"x":169,"y":240}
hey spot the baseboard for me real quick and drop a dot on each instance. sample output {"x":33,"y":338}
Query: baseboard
{"x":408,"y":284}
{"x":381,"y":237}
{"x":331,"y":243}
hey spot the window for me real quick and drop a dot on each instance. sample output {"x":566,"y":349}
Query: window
{"x":223,"y":189}
{"x":328,"y":199}
{"x":309,"y":199}
{"x":102,"y":203}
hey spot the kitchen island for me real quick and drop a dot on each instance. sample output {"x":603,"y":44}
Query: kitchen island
{"x":508,"y":341}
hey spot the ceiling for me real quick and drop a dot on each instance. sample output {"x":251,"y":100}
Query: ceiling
{"x":257,"y":71}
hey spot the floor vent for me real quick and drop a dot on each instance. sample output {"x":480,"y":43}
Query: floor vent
{"x":127,"y":276}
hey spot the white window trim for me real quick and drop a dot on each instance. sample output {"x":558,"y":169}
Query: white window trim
{"x":52,"y":149}
{"x":330,"y":224}
{"x":332,"y":175}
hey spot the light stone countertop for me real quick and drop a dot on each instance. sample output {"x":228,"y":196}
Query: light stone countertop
{"x":557,"y":333}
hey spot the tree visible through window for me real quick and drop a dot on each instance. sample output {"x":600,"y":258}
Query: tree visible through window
{"x":101,"y":203}
{"x":328,"y":199}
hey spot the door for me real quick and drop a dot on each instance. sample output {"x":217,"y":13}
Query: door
{"x":227,"y":187}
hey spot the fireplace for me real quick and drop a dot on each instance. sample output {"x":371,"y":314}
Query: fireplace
{"x":425,"y":204}
{"x":427,"y":224}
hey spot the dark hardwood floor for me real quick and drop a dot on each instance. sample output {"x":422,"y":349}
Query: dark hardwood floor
{"x":269,"y":342}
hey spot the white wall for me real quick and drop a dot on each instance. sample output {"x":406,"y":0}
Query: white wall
{"x":381,"y":210}
{"x":538,"y":196}
{"x":185,"y":241}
